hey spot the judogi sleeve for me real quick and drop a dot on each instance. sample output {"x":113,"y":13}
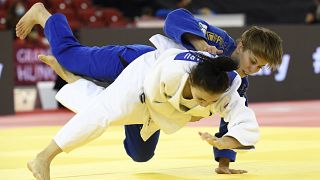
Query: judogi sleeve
{"x":242,"y":125}
{"x":181,"y":21}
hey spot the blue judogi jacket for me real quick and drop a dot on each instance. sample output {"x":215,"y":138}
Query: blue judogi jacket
{"x":181,"y":21}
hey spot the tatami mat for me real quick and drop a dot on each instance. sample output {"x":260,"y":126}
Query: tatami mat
{"x":282,"y":153}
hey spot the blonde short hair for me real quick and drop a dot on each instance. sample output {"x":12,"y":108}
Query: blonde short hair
{"x":263,"y":43}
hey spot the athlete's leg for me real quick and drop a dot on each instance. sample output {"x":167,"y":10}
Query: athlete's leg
{"x":82,"y":128}
{"x":37,"y":14}
{"x":136,"y":148}
{"x":62,"y":72}
{"x":40,"y":165}
{"x":100,"y":63}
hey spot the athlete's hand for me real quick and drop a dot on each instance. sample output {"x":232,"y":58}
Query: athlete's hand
{"x":212,"y":140}
{"x":200,"y":44}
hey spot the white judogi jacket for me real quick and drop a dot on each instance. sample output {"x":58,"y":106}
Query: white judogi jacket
{"x":164,"y":85}
{"x":162,"y":79}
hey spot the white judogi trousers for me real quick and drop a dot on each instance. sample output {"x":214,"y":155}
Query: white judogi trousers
{"x":96,"y":108}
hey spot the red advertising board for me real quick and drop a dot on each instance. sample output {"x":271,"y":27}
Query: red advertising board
{"x":28,"y":68}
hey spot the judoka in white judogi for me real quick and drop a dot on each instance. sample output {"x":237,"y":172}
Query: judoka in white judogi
{"x":161,"y":76}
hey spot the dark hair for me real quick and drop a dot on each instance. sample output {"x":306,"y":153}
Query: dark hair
{"x":211,"y":74}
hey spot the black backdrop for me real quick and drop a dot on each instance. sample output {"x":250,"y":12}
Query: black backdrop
{"x":6,"y":73}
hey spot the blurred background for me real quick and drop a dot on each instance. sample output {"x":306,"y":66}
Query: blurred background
{"x":26,"y":84}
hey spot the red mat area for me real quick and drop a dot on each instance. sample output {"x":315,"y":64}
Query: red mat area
{"x":36,"y":118}
{"x":289,"y":114}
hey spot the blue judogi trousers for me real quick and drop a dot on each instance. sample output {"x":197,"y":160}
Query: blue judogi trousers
{"x":104,"y":64}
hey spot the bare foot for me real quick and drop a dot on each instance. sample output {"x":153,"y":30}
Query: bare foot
{"x":40,"y":168}
{"x":62,"y":72}
{"x":31,"y":18}
{"x":226,"y":170}
{"x":49,"y":60}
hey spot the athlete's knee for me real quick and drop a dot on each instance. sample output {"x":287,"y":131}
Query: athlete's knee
{"x":141,"y":158}
{"x":140,"y":153}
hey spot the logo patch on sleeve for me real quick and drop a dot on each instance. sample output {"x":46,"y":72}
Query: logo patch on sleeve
{"x":203,"y":27}
{"x":187,"y":56}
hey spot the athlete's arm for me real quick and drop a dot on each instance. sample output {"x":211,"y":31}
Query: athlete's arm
{"x":225,"y":142}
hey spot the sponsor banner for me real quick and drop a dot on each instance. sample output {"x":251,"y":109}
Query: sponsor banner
{"x":28,"y":68}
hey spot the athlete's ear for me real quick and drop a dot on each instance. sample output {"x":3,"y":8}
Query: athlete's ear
{"x":239,"y":47}
{"x":189,"y":80}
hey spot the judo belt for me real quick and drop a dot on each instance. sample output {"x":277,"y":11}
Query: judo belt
{"x":142,"y":98}
{"x":123,"y":61}
{"x":105,"y":82}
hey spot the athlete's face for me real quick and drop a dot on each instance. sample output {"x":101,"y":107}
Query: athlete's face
{"x":248,"y":62}
{"x":203,"y":97}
